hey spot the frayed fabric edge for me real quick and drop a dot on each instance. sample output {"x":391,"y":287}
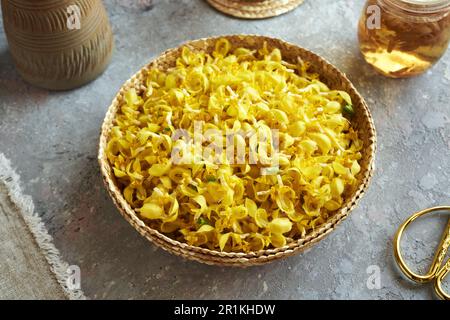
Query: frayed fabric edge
{"x":37,"y":228}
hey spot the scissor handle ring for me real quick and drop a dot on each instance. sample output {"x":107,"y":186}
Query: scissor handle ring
{"x":445,"y":271}
{"x":439,"y":257}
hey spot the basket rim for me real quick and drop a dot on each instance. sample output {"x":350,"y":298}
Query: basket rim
{"x":226,"y":258}
{"x":253,"y":10}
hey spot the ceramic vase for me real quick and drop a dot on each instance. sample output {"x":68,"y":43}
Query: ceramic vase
{"x":58,"y":44}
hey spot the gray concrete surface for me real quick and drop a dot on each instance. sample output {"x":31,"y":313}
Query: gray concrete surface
{"x":52,"y":140}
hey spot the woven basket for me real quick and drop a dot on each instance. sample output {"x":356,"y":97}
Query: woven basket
{"x":255,"y":9}
{"x":362,"y":122}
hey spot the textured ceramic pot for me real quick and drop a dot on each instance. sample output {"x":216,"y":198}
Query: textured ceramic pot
{"x":58,"y":44}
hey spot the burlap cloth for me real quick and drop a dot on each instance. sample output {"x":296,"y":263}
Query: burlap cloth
{"x":30,"y":265}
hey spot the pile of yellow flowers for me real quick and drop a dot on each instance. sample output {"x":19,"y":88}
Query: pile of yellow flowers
{"x":211,"y":200}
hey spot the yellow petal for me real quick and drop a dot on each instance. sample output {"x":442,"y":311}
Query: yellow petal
{"x":322,"y":141}
{"x":251,"y":207}
{"x":309,"y":146}
{"x":280,"y":225}
{"x":223,"y":239}
{"x":261,"y":218}
{"x":339,"y":168}
{"x":332,"y":205}
{"x":159,"y":169}
{"x":297,"y":128}
{"x":333,"y":107}
{"x":337,"y":187}
{"x":119,"y":173}
{"x":205,"y":228}
{"x":152,"y":211}
{"x":356,"y":168}
{"x":277,"y":240}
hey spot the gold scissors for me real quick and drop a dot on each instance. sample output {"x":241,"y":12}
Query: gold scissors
{"x":436,"y":273}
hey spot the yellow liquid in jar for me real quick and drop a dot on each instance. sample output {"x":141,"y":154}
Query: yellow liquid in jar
{"x":403,"y":46}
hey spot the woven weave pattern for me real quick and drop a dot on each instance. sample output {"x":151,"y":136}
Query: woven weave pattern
{"x":361,"y":122}
{"x":255,"y":9}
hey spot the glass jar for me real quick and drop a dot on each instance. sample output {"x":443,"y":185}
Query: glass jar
{"x":403,"y":38}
